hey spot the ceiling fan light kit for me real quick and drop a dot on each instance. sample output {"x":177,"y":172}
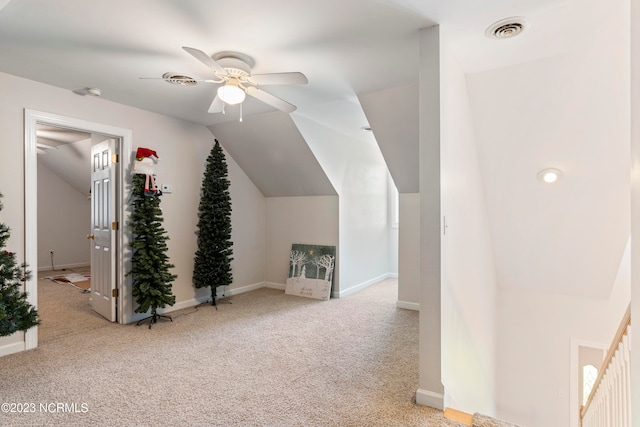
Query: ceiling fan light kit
{"x":231,"y":93}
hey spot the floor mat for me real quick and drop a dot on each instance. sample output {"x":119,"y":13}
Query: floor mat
{"x":74,"y":279}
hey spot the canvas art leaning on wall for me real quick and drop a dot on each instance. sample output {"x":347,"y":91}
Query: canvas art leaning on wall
{"x":311,"y":271}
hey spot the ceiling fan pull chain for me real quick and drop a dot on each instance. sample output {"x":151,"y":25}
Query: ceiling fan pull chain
{"x":241,"y":111}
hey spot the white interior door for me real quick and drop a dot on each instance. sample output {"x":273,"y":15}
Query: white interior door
{"x":103,"y":226}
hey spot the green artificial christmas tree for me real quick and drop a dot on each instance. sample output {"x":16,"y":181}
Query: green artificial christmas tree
{"x":16,"y":314}
{"x":213,"y":257}
{"x":149,"y":262}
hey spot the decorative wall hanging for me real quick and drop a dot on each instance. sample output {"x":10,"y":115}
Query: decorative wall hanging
{"x":311,"y":271}
{"x":144,"y":165}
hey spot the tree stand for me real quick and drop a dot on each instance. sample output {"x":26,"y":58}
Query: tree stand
{"x":223,"y":300}
{"x":154,"y":319}
{"x":215,"y":301}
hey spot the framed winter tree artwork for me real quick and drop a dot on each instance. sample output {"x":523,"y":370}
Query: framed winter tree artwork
{"x":311,"y":271}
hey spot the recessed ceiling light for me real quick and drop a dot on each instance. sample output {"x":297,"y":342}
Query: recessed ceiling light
{"x":506,"y":28}
{"x":549,"y":175}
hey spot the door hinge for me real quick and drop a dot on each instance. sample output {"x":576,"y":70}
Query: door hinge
{"x":115,"y":225}
{"x":115,"y":158}
{"x":114,"y":293}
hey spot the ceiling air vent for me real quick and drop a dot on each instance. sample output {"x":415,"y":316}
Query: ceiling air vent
{"x":179,"y":79}
{"x":506,"y":28}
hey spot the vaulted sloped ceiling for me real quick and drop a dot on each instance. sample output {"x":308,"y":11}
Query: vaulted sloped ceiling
{"x":393,"y":117}
{"x":66,"y":153}
{"x":348,"y":155}
{"x":568,"y":237}
{"x":273,"y":153}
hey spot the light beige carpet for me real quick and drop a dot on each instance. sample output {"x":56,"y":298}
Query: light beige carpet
{"x":480,"y":420}
{"x":64,"y":310}
{"x":267,"y":359}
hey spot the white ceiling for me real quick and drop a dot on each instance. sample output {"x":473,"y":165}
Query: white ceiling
{"x":281,"y":164}
{"x":67,"y":153}
{"x":557,"y":95}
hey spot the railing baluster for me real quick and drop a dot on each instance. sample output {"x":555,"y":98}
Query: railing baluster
{"x":624,"y":383}
{"x":609,"y":404}
{"x":627,"y":364}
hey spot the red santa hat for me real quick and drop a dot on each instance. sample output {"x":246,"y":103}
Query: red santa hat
{"x":141,"y":153}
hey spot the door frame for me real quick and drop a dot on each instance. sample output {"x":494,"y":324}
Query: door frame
{"x":32,"y":119}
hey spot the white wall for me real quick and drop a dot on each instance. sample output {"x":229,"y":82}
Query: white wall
{"x":357,"y":171}
{"x":468,"y":274}
{"x":431,"y":390}
{"x":635,"y":198}
{"x":393,"y":200}
{"x":248,"y":233}
{"x":364,"y":225}
{"x":64,"y":220}
{"x":303,"y":220}
{"x":409,"y":252}
{"x":182,"y":147}
{"x":535,"y":335}
{"x":535,"y":331}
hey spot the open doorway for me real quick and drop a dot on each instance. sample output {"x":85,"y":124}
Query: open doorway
{"x":64,"y":197}
{"x":111,"y":187}
{"x":64,"y":220}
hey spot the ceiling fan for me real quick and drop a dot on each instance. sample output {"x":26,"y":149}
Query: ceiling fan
{"x":233,"y":69}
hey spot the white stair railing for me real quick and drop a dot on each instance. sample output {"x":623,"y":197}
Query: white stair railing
{"x":609,"y":404}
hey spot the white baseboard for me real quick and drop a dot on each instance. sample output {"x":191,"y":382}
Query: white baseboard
{"x":363,"y":285}
{"x":429,"y":398}
{"x":12,"y":348}
{"x":59,"y":268}
{"x":408,"y":305}
{"x":182,"y":305}
{"x":227,"y":293}
{"x":241,"y":289}
{"x":392,"y":275}
{"x":273,"y":285}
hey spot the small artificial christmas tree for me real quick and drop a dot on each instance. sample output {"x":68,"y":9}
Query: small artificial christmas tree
{"x":149,"y":262}
{"x":16,"y":314}
{"x":212,"y":266}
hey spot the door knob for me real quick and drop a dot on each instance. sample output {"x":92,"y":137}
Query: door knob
{"x":90,"y":236}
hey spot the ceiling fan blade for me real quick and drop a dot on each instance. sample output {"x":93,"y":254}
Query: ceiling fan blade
{"x":217,"y":105}
{"x":279,"y":79}
{"x":272,"y":100}
{"x":206,"y":60}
